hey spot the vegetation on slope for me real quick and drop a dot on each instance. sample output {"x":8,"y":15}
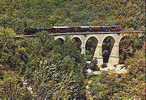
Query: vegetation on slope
{"x":120,"y":87}
{"x":54,"y":70}
{"x":49,"y":67}
{"x":21,"y":14}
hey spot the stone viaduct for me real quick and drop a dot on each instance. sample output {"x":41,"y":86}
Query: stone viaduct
{"x":83,"y":37}
{"x":100,"y":36}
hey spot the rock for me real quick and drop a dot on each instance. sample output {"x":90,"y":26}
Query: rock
{"x":89,"y":72}
{"x":120,"y":69}
{"x":97,"y":72}
{"x":88,"y":62}
{"x":90,"y":81}
{"x":30,"y":89}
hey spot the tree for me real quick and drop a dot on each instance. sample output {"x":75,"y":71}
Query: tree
{"x":53,"y":68}
{"x":47,"y":13}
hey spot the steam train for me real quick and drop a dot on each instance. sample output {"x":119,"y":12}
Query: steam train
{"x":67,"y":29}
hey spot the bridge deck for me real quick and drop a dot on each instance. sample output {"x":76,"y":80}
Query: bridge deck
{"x":86,"y":33}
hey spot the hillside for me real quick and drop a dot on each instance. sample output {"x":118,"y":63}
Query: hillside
{"x":63,"y":67}
{"x":21,"y":14}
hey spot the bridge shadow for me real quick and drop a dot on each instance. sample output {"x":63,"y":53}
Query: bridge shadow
{"x":90,"y":46}
{"x":107,"y":46}
{"x":77,"y":43}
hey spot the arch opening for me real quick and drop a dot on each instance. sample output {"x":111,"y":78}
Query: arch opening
{"x":107,"y":46}
{"x":77,"y":42}
{"x":59,"y":41}
{"x":90,"y":46}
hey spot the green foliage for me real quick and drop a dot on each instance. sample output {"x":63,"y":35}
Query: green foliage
{"x":7,"y":31}
{"x":53,"y":68}
{"x":129,"y":45}
{"x":52,"y":62}
{"x":11,"y":86}
{"x":8,"y":54}
{"x":96,"y":88}
{"x":120,"y":87}
{"x":7,"y":47}
{"x":136,"y":65}
{"x":23,"y":14}
{"x":12,"y":89}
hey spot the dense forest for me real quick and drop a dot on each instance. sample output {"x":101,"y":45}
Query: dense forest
{"x":42,"y":68}
{"x":21,"y":14}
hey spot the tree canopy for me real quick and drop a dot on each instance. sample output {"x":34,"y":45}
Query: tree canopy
{"x":21,"y":14}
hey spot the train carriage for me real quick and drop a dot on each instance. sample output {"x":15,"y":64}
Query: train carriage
{"x":67,"y":29}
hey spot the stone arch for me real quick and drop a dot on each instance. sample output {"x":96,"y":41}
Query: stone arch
{"x":113,"y":36}
{"x":78,"y":42}
{"x":125,"y":48}
{"x":77,"y":36}
{"x":59,"y":39}
{"x":90,"y":36}
{"x":91,"y":44}
{"x":107,"y":46}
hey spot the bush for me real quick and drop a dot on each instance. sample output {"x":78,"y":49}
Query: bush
{"x":7,"y":31}
{"x":44,"y":61}
{"x":8,"y":54}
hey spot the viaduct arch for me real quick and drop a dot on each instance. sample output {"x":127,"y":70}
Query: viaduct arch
{"x":99,"y":38}
{"x":114,"y":48}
